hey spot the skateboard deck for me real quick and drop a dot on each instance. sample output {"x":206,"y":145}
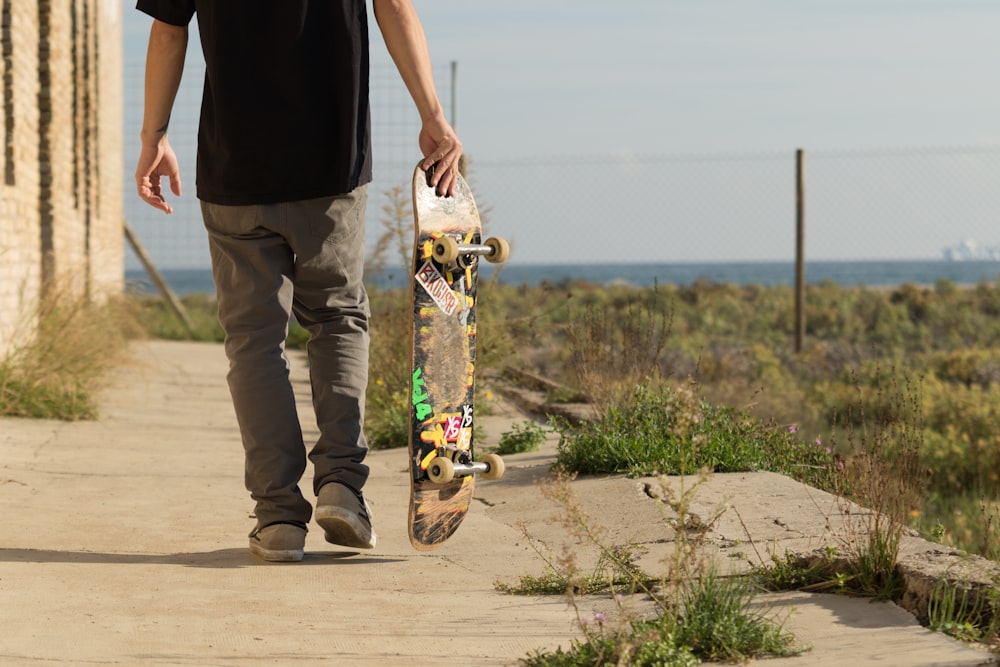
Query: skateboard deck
{"x":446,"y":251}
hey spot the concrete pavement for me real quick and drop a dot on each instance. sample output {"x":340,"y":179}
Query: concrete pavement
{"x":123,"y":541}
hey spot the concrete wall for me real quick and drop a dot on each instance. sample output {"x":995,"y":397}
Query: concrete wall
{"x":61,"y":163}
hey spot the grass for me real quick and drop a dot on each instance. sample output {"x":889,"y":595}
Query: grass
{"x":160,"y":322}
{"x":614,"y":572}
{"x":955,"y":610}
{"x":973,"y":521}
{"x":732,"y":344}
{"x":669,"y":430}
{"x":874,"y":450}
{"x":700,"y":614}
{"x":527,"y":436}
{"x":731,"y":347}
{"x":893,"y":404}
{"x":57,"y":372}
{"x":717,"y":622}
{"x":387,"y":422}
{"x":641,"y":645}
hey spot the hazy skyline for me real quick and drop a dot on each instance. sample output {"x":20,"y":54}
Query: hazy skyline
{"x":587,"y":81}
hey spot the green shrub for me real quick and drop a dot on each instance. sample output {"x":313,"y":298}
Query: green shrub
{"x":526,"y":437}
{"x":961,"y":437}
{"x":671,"y":431}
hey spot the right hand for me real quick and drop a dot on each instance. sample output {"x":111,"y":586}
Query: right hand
{"x":442,"y":150}
{"x":156,"y":161}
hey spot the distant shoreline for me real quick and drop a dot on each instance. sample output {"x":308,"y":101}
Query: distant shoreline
{"x":866,"y":273}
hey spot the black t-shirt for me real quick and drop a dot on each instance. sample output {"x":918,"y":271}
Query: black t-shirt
{"x":284,"y":112}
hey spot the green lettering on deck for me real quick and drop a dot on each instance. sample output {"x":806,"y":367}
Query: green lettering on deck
{"x":420,"y":396}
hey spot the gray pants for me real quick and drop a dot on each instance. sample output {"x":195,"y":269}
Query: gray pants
{"x":269,"y":261}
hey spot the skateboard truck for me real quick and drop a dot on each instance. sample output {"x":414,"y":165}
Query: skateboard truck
{"x":448,"y":250}
{"x":443,"y":470}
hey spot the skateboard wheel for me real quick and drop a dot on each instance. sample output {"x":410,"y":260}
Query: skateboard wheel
{"x":441,"y":470}
{"x":445,"y":250}
{"x":501,"y":249}
{"x":495,"y":466}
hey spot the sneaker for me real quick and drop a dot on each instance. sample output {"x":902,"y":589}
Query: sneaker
{"x":281,"y":542}
{"x":345,"y":517}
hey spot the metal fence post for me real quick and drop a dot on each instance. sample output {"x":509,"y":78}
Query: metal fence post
{"x":454,"y":95}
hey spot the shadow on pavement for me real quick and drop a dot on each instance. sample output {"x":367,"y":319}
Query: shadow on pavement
{"x":221,"y":559}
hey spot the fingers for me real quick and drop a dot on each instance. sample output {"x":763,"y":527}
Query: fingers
{"x":150,"y":191}
{"x":445,"y":159}
{"x":156,"y":163}
{"x":175,"y":184}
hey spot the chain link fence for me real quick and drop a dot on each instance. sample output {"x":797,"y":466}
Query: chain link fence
{"x":860,"y":205}
{"x":872,"y":205}
{"x":178,"y":241}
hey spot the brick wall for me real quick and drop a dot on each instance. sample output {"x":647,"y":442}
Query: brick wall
{"x":61,"y":173}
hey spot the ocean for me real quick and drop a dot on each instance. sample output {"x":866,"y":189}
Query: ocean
{"x":845,"y":273}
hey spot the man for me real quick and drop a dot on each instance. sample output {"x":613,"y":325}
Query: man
{"x":284,"y":159}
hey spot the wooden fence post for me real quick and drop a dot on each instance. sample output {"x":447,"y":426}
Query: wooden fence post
{"x":800,"y":248}
{"x":172,"y":301}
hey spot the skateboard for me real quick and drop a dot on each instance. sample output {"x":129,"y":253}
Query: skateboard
{"x":447,"y":248}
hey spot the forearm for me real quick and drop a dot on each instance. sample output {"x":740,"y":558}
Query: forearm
{"x":164,"y":67}
{"x":404,"y":38}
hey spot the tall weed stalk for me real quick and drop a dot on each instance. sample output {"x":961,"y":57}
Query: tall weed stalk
{"x":615,"y":347}
{"x":884,"y":474}
{"x":700,"y":614}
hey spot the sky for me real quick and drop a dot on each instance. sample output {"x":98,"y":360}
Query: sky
{"x":579,"y":77}
{"x":676,"y":123}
